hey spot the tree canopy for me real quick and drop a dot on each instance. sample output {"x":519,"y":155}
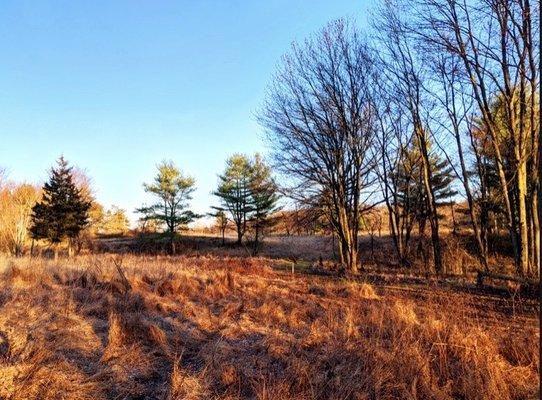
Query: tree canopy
{"x":248,"y":193}
{"x":173,"y":189}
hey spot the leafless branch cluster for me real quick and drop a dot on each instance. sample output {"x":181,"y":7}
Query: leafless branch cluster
{"x":321,"y":118}
{"x":441,"y":86}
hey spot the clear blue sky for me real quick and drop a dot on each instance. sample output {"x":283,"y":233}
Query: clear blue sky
{"x":116,"y":86}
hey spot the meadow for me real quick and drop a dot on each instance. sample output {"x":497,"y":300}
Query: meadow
{"x":219,"y":326}
{"x":274,"y":200}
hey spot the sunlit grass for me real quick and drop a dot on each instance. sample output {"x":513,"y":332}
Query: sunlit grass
{"x":220,"y":327}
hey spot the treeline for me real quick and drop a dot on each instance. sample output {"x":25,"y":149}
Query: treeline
{"x":64,"y":211}
{"x":441,"y":89}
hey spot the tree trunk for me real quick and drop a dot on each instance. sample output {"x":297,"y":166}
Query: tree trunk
{"x":353,"y":261}
{"x":349,"y":254}
{"x":536,"y":234}
{"x":435,"y":240}
{"x":479,"y":234}
{"x":340,"y":251}
{"x":421,"y":227}
{"x":348,"y":238}
{"x":420,"y":248}
{"x":431,"y":203}
{"x":171,"y":242}
{"x":70,"y":248}
{"x":454,"y":224}
{"x":394,"y":233}
{"x":538,"y":211}
{"x":522,"y":219}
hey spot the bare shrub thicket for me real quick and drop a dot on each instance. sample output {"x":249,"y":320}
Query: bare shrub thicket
{"x":16,"y":202}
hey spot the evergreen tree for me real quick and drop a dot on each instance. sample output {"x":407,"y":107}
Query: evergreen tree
{"x":114,"y":221}
{"x":264,"y":196}
{"x":234,"y":192}
{"x":248,"y":192}
{"x":63,"y":212}
{"x":173,"y":190}
{"x":411,"y":194}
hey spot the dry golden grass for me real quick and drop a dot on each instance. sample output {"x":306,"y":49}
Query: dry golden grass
{"x":98,"y":327}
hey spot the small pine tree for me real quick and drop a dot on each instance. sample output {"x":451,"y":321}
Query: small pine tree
{"x":411,"y":194}
{"x":248,"y":192}
{"x":114,"y":222}
{"x":221,"y":220}
{"x":174,"y":191}
{"x":63,"y":212}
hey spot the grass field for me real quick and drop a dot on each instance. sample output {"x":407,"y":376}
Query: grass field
{"x":204,"y":327}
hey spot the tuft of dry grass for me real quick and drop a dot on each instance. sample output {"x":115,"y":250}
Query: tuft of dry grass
{"x":97,"y":327}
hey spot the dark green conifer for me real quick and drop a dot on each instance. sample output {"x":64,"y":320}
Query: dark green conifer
{"x":264,"y":197}
{"x":248,"y":192}
{"x":235,"y":194}
{"x":63,"y":212}
{"x":411,"y":194}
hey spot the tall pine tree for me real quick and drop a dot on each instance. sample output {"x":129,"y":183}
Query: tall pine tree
{"x":174,"y":192}
{"x":63,"y":212}
{"x":264,"y":197}
{"x":247,"y":191}
{"x":234,"y":192}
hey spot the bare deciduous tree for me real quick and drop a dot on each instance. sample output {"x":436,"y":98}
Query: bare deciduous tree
{"x":393,"y":139}
{"x":496,"y":42}
{"x":406,"y":82}
{"x":16,"y":202}
{"x":321,"y":121}
{"x":468,"y":69}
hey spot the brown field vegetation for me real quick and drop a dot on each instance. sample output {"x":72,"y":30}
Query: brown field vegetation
{"x":385,"y":246}
{"x":376,"y":254}
{"x":204,"y":327}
